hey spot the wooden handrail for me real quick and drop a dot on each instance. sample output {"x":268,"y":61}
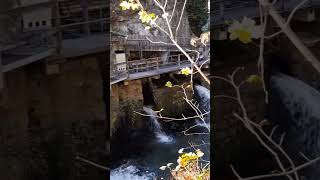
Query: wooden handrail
{"x":176,"y":55}
{"x":84,"y":22}
{"x":145,"y":64}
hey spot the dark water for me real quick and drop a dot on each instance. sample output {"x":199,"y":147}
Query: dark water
{"x":147,"y":161}
{"x":141,"y":157}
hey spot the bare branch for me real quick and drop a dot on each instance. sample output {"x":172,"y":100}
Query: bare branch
{"x":169,"y":119}
{"x":289,"y":19}
{"x":174,"y":8}
{"x":159,"y":42}
{"x":92,"y":163}
{"x":184,"y":5}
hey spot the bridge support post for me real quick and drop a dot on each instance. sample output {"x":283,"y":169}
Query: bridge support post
{"x":165,"y":57}
{"x":140,"y":53}
{"x":101,"y":16}
{"x":221,"y":10}
{"x":56,"y":11}
{"x":85,"y":14}
{"x":157,"y":63}
{"x":1,"y":73}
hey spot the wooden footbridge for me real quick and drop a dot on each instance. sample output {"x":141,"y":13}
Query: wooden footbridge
{"x":143,"y":68}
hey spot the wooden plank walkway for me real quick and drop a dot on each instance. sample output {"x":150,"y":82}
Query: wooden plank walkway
{"x":85,"y":45}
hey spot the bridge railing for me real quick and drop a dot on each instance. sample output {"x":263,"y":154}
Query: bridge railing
{"x":156,"y":63}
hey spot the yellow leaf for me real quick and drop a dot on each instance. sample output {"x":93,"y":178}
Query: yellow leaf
{"x":135,"y":6}
{"x":244,"y":36}
{"x":152,"y":15}
{"x":254,"y":79}
{"x":169,"y":84}
{"x":245,"y":31}
{"x":125,"y":5}
{"x":186,"y":71}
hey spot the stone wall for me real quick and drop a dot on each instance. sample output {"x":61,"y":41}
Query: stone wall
{"x":54,"y":118}
{"x":128,"y":22}
{"x":132,"y":96}
{"x":125,"y":99}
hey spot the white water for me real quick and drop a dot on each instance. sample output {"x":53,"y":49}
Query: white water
{"x":204,"y":95}
{"x":161,"y":136}
{"x":125,"y":172}
{"x":203,"y":92}
{"x":303,"y":103}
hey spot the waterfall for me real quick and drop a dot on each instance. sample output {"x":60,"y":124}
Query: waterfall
{"x":303,"y":104}
{"x":129,"y":172}
{"x":162,"y":136}
{"x":204,"y":100}
{"x":204,"y":95}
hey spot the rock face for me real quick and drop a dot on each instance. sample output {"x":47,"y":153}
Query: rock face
{"x":125,"y":99}
{"x":47,"y":120}
{"x":128,"y":22}
{"x":171,"y":100}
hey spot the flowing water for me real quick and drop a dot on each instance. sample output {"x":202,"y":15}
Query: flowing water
{"x":203,"y":95}
{"x":144,"y":155}
{"x":302,"y":103}
{"x":162,"y":136}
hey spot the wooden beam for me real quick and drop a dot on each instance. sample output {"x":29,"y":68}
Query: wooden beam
{"x":101,"y":16}
{"x":28,"y":60}
{"x":56,"y":16}
{"x":12,"y":46}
